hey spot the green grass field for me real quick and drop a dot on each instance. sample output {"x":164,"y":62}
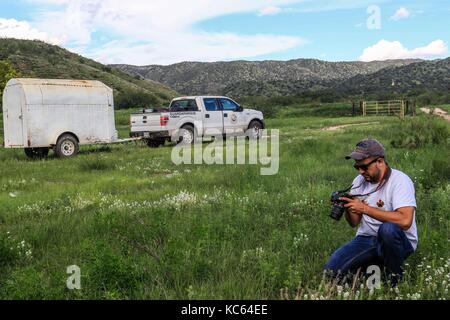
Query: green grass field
{"x":140,"y":227}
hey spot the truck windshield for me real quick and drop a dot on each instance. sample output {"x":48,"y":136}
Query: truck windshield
{"x":183,"y":105}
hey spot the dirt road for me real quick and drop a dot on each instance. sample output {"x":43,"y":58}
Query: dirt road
{"x":437,"y":111}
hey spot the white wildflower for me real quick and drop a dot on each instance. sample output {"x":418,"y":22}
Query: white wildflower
{"x":339,"y":289}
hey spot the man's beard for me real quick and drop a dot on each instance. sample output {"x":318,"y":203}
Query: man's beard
{"x":372,"y":178}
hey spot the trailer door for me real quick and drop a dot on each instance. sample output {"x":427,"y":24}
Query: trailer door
{"x":13,"y":117}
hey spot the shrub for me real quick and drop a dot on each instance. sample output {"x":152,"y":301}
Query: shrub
{"x":430,"y":97}
{"x":420,"y":132}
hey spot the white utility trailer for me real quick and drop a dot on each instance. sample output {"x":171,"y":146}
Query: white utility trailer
{"x":40,"y":114}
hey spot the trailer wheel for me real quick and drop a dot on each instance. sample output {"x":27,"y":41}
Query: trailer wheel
{"x":155,"y":143}
{"x":67,"y":146}
{"x":187,"y":135}
{"x":36,"y":153}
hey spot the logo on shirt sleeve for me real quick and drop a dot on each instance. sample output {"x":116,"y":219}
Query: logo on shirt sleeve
{"x":380,"y":203}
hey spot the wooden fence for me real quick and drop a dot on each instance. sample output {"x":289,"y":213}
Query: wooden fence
{"x":398,"y":108}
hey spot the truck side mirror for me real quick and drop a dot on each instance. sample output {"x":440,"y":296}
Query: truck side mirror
{"x":240,"y":109}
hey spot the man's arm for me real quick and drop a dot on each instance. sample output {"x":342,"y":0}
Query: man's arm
{"x":403,"y":217}
{"x":353,"y":219}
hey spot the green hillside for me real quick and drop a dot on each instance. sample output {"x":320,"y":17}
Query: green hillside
{"x":37,"y":59}
{"x":258,"y":78}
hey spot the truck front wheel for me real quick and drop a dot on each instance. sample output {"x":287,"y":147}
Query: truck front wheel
{"x":36,"y":153}
{"x":67,"y":146}
{"x":254,"y":131}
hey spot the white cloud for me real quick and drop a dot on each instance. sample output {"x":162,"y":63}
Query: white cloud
{"x":385,"y":50}
{"x":269,"y":11}
{"x":167,"y":31}
{"x":401,"y":13}
{"x":194,"y":47}
{"x":158,"y":31}
{"x":11,"y":28}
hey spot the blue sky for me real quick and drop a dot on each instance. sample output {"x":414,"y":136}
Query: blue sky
{"x":145,"y":32}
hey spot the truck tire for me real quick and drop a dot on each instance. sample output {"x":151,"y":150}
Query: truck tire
{"x":254,"y":131}
{"x":36,"y":153}
{"x":187,"y":135}
{"x":155,"y":143}
{"x":67,"y":146}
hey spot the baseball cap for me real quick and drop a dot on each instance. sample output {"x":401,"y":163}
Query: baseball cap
{"x":365,"y":149}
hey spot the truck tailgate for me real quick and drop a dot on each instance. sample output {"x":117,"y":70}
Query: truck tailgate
{"x":146,"y":122}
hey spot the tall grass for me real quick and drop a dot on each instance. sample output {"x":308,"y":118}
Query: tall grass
{"x":140,"y":227}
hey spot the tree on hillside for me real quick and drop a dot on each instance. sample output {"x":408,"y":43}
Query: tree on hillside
{"x":7,"y":72}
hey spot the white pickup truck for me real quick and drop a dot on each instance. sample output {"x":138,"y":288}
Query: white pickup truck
{"x":200,"y":116}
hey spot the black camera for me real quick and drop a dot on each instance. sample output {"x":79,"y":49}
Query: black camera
{"x":337,"y":206}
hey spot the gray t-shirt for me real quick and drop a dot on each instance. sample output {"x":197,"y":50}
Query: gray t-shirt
{"x":398,"y":192}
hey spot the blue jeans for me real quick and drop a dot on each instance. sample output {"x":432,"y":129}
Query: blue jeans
{"x":389,"y":249}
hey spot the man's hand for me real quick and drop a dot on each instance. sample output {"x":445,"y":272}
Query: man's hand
{"x":356,"y":206}
{"x":402,"y":216}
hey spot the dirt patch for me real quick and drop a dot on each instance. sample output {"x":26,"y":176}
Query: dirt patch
{"x":437,"y":111}
{"x":343,"y":126}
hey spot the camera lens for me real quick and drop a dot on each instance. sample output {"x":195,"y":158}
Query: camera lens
{"x":337,"y":211}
